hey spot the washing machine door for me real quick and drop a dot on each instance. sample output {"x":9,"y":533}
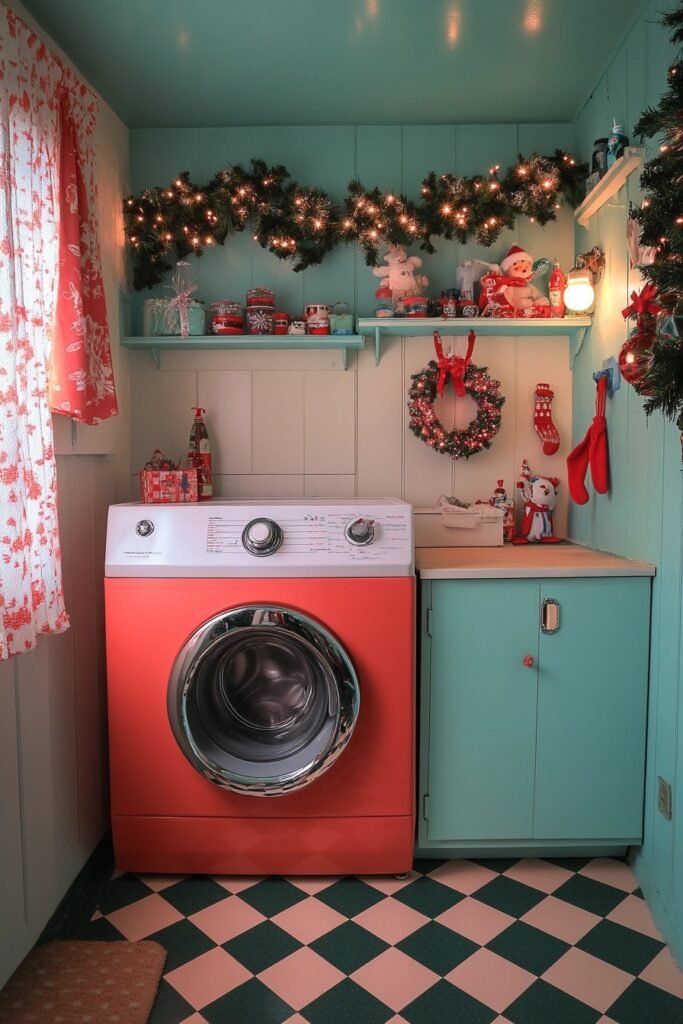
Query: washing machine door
{"x":262,"y":700}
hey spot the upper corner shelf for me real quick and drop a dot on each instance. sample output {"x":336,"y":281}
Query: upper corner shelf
{"x":254,"y":341}
{"x":573,"y":327}
{"x":610,"y":183}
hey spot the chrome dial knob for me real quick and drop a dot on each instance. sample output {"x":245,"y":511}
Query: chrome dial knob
{"x":262,"y":537}
{"x":360,"y":532}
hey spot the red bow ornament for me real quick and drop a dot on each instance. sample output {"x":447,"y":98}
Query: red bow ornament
{"x":643,"y":303}
{"x":453,"y":366}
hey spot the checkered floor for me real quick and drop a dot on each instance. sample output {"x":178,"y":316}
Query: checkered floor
{"x":478,"y":942}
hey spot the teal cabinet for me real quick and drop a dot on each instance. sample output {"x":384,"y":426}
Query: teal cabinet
{"x":533,"y":712}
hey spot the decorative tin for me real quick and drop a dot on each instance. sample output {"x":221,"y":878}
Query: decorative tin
{"x":259,"y":320}
{"x":449,"y":304}
{"x":261,"y":297}
{"x":317,"y":327}
{"x":226,"y":317}
{"x":281,"y":322}
{"x":385,"y":305}
{"x":317,"y":311}
{"x":415,"y":305}
{"x":297,"y":326}
{"x":341,"y":319}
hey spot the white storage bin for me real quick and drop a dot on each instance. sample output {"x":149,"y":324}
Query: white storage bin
{"x":479,"y":526}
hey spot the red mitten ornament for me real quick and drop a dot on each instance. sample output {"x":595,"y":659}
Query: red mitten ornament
{"x":543,"y":424}
{"x":591,"y":451}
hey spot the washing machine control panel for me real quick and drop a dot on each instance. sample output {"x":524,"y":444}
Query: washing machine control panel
{"x":302,"y":537}
{"x":360,"y":532}
{"x":262,"y":537}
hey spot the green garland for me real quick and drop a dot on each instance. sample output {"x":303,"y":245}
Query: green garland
{"x":302,"y":225}
{"x":661,"y":220}
{"x":459,"y":444}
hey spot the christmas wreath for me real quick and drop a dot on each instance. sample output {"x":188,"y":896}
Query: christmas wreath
{"x":467,"y":379}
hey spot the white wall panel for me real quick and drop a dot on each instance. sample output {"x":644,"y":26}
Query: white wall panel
{"x":380,"y":430}
{"x":322,"y":486}
{"x":278,"y":424}
{"x":228,"y":397}
{"x":329,"y":423}
{"x":161,"y":414}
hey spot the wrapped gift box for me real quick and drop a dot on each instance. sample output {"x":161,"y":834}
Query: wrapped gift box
{"x":159,"y":486}
{"x":157,"y":322}
{"x":479,"y":526}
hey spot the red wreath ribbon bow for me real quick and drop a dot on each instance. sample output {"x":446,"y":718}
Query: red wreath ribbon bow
{"x":454,"y":366}
{"x":643,"y":303}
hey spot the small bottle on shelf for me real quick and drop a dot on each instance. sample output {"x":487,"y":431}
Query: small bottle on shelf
{"x":556,"y":286}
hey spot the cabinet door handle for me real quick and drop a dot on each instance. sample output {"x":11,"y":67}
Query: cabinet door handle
{"x":550,"y":616}
{"x":528,"y":661}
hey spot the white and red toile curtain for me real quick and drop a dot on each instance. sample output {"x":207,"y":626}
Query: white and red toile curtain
{"x":54,"y":349}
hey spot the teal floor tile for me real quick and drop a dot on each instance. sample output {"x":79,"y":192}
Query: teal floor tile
{"x":584,"y":892}
{"x":252,"y":1001}
{"x":195,"y":893}
{"x":528,"y":947}
{"x":262,"y":946}
{"x":349,"y":947}
{"x":444,"y":1003}
{"x":350,"y":896}
{"x":545,"y":1004}
{"x":437,"y":948}
{"x":272,"y":895}
{"x":428,"y":897}
{"x":511,"y":897}
{"x":644,"y":1004}
{"x":169,"y":1006}
{"x":623,"y":947}
{"x":182,"y":941}
{"x":347,"y":1003}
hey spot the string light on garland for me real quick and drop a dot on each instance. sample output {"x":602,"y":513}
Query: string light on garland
{"x":303,"y":225}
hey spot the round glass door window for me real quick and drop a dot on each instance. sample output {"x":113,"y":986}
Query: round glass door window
{"x":262,"y":700}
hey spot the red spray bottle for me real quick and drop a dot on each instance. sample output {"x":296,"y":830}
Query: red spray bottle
{"x":200,"y":453}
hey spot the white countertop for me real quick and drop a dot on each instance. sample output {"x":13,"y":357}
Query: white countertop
{"x":524,"y":561}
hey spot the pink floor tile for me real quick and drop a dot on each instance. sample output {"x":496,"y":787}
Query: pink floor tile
{"x":387,"y":883}
{"x":539,"y":874}
{"x":196,"y":1018}
{"x":226,"y":919}
{"x":397,"y":1019}
{"x":561,"y":919}
{"x":634,"y":913}
{"x":157,"y":883}
{"x":475,"y":920}
{"x":296,"y":1019}
{"x":208,"y":977}
{"x":611,"y":872}
{"x":501,"y":1020}
{"x":237,"y":883}
{"x":587,"y":978}
{"x":301,"y":977}
{"x":313,"y":884}
{"x":142,"y":918}
{"x":391,"y":920}
{"x":665,"y":973}
{"x":395,"y":978}
{"x":463,"y":875}
{"x":96,"y":916}
{"x":490,"y":979}
{"x":603,"y":1020}
{"x":308,"y":920}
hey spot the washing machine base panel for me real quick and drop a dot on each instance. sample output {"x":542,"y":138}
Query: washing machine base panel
{"x":264,"y":846}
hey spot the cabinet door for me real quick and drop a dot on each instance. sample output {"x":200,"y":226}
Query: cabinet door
{"x":592,"y":692}
{"x":482,"y":709}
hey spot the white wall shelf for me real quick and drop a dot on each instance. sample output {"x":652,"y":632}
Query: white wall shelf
{"x":574,"y":327}
{"x":155,"y":345}
{"x":610,"y":183}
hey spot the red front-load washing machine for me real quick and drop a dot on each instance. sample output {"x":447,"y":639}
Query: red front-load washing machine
{"x":261,"y":686}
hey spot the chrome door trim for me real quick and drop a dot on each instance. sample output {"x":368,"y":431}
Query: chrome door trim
{"x":311,"y":634}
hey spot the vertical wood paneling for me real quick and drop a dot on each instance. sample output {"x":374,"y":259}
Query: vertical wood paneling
{"x":12,"y":882}
{"x":278,"y":423}
{"x":329,"y":423}
{"x":380,"y":430}
{"x":228,"y":397}
{"x":161,"y":414}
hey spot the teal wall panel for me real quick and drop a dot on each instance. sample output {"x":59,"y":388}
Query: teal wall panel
{"x":643,"y":515}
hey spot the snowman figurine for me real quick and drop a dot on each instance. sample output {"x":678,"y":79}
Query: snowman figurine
{"x":539,"y":495}
{"x":399,"y":275}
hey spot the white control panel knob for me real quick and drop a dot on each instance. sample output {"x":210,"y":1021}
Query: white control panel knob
{"x":262,"y":537}
{"x":360,"y":532}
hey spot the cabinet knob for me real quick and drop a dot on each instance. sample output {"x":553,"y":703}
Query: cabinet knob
{"x":528,"y":661}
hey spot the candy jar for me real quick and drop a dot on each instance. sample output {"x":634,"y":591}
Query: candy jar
{"x":384,"y":306}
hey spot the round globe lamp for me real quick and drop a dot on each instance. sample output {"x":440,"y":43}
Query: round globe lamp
{"x":579,"y":294}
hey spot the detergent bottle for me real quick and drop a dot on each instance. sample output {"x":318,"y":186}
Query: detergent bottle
{"x":200,"y":453}
{"x":556,"y":286}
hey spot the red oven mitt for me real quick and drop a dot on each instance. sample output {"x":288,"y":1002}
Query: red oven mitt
{"x":593,"y":451}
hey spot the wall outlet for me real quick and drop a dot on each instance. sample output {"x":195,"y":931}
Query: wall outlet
{"x":664,"y":797}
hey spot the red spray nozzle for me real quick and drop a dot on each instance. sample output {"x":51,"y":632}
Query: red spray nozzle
{"x":198,"y":411}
